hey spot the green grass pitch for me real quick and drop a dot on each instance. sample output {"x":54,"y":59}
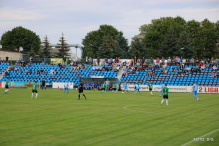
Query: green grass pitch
{"x":113,"y":119}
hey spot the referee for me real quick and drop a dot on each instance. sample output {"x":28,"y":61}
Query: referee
{"x":81,"y":91}
{"x":43,"y":84}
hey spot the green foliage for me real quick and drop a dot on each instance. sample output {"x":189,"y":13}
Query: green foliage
{"x":137,"y":49}
{"x":204,"y":36}
{"x":46,"y":48}
{"x":94,"y":39}
{"x":186,"y":43}
{"x":122,"y":45}
{"x":32,"y":53}
{"x":63,"y":51}
{"x":20,"y":36}
{"x":108,"y":49}
{"x":170,"y":46}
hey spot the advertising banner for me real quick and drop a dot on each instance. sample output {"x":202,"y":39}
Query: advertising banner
{"x":97,"y":76}
{"x":61,"y":85}
{"x":0,"y":84}
{"x":57,"y":60}
{"x":202,"y":89}
{"x":13,"y":84}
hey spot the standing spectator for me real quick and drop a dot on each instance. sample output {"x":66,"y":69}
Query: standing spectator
{"x":178,"y":61}
{"x":187,"y":62}
{"x":124,"y":65}
{"x":90,"y":60}
{"x":151,"y":61}
{"x":132,"y":61}
{"x":168,"y":61}
{"x":142,"y":61}
{"x":135,"y":60}
{"x":162,"y":60}
{"x":64,"y":59}
{"x":158,"y":60}
{"x":98,"y":61}
{"x":6,"y":59}
{"x":192,"y":62}
{"x":32,"y":60}
{"x":86,"y":59}
{"x":116,"y":60}
{"x":106,"y":60}
{"x":0,"y":61}
{"x":216,"y":61}
{"x":173,"y":61}
{"x":41,"y":60}
{"x":20,"y":59}
{"x":197,"y":61}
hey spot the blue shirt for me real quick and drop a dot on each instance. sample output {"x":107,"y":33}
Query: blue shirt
{"x":136,"y":86}
{"x":162,"y":85}
{"x":195,"y":87}
{"x":93,"y":84}
{"x":66,"y":85}
{"x":125,"y":84}
{"x":107,"y":83}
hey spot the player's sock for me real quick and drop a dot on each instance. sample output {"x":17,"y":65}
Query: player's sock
{"x":64,"y":91}
{"x":166,"y":102}
{"x":116,"y":91}
{"x":151,"y":93}
{"x":102,"y":91}
{"x":79,"y":96}
{"x":162,"y":101}
{"x":105,"y":91}
{"x":36,"y":95}
{"x":67,"y":91}
{"x":84,"y":96}
{"x":5,"y":90}
{"x":128,"y":91}
{"x":195,"y":96}
{"x":160,"y":93}
{"x":112,"y":90}
{"x":123,"y":90}
{"x":139,"y":92}
{"x":135,"y":92}
{"x":32,"y":95}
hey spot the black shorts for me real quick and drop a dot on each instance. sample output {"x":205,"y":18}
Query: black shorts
{"x":150,"y":89}
{"x":34,"y":91}
{"x":165,"y":96}
{"x":114,"y":88}
{"x":80,"y":91}
{"x":103,"y":88}
{"x":6,"y":86}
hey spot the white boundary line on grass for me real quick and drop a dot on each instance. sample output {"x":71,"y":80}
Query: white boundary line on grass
{"x":201,"y":137}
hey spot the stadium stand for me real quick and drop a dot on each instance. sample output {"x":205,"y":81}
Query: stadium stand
{"x":182,"y":78}
{"x":59,"y":74}
{"x":3,"y":66}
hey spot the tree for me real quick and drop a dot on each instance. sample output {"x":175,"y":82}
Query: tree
{"x":122,"y":45}
{"x":107,"y":48}
{"x":94,"y":39}
{"x":157,"y":30}
{"x":46,"y":48}
{"x":63,"y":51}
{"x":170,"y":46}
{"x":20,"y":36}
{"x":186,"y":43}
{"x":137,"y":49}
{"x":32,"y":53}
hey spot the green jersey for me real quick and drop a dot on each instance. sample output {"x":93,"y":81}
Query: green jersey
{"x":114,"y":86}
{"x":150,"y":85}
{"x":165,"y":90}
{"x":7,"y":83}
{"x":103,"y":85}
{"x":34,"y":86}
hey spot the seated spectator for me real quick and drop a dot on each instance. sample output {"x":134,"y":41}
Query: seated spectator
{"x":147,"y":73}
{"x":51,"y":72}
{"x":11,"y":67}
{"x":52,"y":63}
{"x":23,"y":63}
{"x":123,"y":73}
{"x":188,"y":69}
{"x":38,"y":72}
{"x":179,"y":72}
{"x":64,"y":66}
{"x":29,"y":71}
{"x":173,"y":70}
{"x":195,"y":70}
{"x":161,"y":71}
{"x":200,"y":65}
{"x":214,"y":67}
{"x":153,"y":74}
{"x":191,"y":70}
{"x":26,"y":71}
{"x":165,"y":71}
{"x":150,"y":73}
{"x":164,"y":66}
{"x":29,"y":64}
{"x":19,"y":71}
{"x":15,"y":69}
{"x":168,"y":61}
{"x":207,"y":65}
{"x":6,"y":73}
{"x":183,"y":72}
{"x":203,"y":67}
{"x":212,"y":75}
{"x":117,"y":60}
{"x":97,"y":67}
{"x":178,"y":66}
{"x":42,"y":63}
{"x":41,"y":71}
{"x":216,"y":75}
{"x":41,"y":60}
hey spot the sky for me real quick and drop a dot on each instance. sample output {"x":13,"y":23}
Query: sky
{"x":75,"y":18}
